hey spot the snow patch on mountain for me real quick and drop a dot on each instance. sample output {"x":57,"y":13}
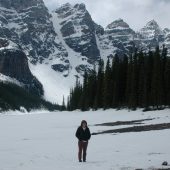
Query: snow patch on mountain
{"x":55,"y":85}
{"x":7,"y":45}
{"x":106,"y":48}
{"x":7,"y":79}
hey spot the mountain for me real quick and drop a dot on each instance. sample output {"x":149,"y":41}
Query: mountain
{"x":62,"y":44}
{"x":152,"y":35}
{"x":118,"y":38}
{"x":151,"y":31}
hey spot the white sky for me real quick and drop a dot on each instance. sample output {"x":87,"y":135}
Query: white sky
{"x":135,"y":12}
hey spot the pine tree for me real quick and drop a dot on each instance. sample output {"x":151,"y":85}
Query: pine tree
{"x":83,"y":104}
{"x":148,"y":70}
{"x":133,"y":82}
{"x":163,"y":67}
{"x":68,"y":104}
{"x":167,"y":82}
{"x":123,"y":81}
{"x":107,"y":96}
{"x":141,"y":75}
{"x":156,"y":85}
{"x":91,"y":88}
{"x":129,"y":81}
{"x":115,"y":82}
{"x":99,"y":86}
{"x":63,"y":107}
{"x":75,"y":95}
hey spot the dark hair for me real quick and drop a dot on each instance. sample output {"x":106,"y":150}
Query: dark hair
{"x":83,"y":121}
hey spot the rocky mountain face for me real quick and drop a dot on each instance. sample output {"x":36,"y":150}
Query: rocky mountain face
{"x":151,"y":35}
{"x":78,"y":30}
{"x":167,"y":38}
{"x":118,"y":38}
{"x":27,"y":23}
{"x":66,"y":42}
{"x":14,"y":63}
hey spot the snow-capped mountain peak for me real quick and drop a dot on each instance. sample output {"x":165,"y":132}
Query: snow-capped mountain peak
{"x":152,"y":24}
{"x":7,"y":44}
{"x":151,"y":30}
{"x":81,"y":7}
{"x":68,"y":9}
{"x":117,"y":38}
{"x":118,"y":24}
{"x":63,"y":9}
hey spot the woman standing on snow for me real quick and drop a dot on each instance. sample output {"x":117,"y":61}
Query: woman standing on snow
{"x":83,"y":135}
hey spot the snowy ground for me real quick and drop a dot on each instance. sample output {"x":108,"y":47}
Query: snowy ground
{"x":46,"y":141}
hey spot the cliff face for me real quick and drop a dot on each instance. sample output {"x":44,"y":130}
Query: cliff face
{"x":151,"y":35}
{"x":14,"y":63}
{"x":118,"y":38}
{"x":78,"y":30}
{"x":19,"y":5}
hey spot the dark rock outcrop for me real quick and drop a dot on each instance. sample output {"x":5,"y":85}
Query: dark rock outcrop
{"x":60,"y":67}
{"x":14,"y":63}
{"x":165,"y":163}
{"x":99,"y":29}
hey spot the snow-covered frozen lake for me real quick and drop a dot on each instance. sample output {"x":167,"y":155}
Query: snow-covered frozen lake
{"x":46,"y":141}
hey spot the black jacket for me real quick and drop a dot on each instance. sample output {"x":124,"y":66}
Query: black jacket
{"x":83,"y":134}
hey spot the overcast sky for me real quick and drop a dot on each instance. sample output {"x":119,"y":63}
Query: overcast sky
{"x":135,"y":12}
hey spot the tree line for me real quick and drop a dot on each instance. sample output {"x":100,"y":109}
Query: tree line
{"x":140,"y":80}
{"x":12,"y":97}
